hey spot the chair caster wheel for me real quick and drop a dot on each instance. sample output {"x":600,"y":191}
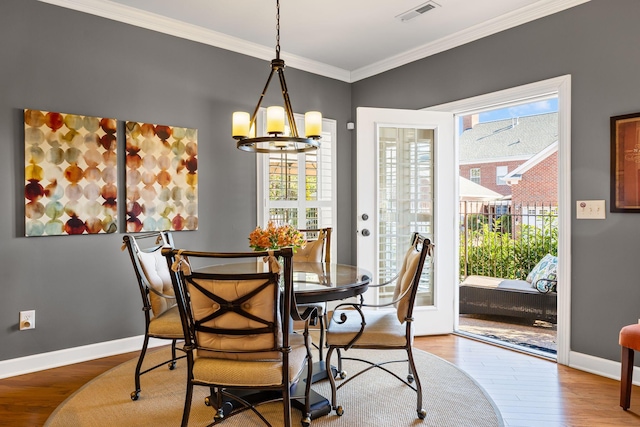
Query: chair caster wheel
{"x":306,"y":421}
{"x":342,"y":374}
{"x":135,"y":395}
{"x":219,"y":414}
{"x":207,"y":401}
{"x":172,"y":365}
{"x":339,"y":411}
{"x":410,"y":378}
{"x":422,"y":414}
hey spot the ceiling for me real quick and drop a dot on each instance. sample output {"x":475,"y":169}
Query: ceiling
{"x":343,"y":39}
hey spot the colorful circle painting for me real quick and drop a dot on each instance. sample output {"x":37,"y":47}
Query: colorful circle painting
{"x":70,"y":174}
{"x":161,"y":177}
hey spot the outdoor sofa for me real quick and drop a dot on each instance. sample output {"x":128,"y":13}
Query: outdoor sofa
{"x":532,"y":299}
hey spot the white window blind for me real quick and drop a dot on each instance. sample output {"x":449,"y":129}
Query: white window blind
{"x":300,"y":189}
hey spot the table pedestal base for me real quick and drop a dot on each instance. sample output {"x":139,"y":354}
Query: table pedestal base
{"x":319,"y":405}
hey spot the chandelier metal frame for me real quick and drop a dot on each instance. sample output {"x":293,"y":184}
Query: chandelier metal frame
{"x":277,"y":142}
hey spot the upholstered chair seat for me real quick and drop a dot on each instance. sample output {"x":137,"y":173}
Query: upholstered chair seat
{"x":382,"y":327}
{"x":167,"y":324}
{"x":255,"y":373}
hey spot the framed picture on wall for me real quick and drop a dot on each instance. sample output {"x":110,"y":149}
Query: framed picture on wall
{"x":70,"y":174}
{"x":625,"y":163}
{"x":161,"y":171}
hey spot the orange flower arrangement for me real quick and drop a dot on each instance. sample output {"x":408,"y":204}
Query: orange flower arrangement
{"x":275,"y":237}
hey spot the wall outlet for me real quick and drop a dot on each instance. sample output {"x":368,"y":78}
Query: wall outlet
{"x":27,"y":320}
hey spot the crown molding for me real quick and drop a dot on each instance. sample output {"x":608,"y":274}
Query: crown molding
{"x":132,"y":16}
{"x":493,"y":26}
{"x":150,"y":21}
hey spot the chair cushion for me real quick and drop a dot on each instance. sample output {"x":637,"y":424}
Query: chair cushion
{"x":157,"y":273}
{"x":312,"y":252}
{"x":405,"y":278}
{"x":382,"y":328}
{"x":630,"y":336}
{"x":228,"y":372}
{"x":167,"y":325}
{"x":261,"y":305}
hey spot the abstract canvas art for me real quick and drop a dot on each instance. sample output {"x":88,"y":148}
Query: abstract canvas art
{"x":70,"y":174}
{"x":161,"y":177}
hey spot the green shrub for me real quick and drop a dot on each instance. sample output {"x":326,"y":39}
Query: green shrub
{"x":491,"y":251}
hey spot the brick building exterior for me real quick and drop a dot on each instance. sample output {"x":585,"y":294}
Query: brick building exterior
{"x":522,"y":151}
{"x":539,"y":184}
{"x":488,"y":175}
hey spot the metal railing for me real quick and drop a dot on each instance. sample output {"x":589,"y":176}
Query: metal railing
{"x":501,"y":239}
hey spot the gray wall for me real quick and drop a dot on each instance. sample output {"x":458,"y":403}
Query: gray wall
{"x":60,"y":60}
{"x":56,"y":59}
{"x":598,"y":44}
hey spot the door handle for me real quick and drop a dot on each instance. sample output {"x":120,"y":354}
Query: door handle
{"x":366,"y":232}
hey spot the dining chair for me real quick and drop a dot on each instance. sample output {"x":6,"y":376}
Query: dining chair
{"x":317,"y":249}
{"x":236,"y":327}
{"x":367,"y":326}
{"x":161,"y":315}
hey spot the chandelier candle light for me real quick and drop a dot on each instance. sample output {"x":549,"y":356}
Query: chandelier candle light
{"x":243,"y":129}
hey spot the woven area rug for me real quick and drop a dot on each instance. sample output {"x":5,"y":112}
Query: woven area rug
{"x":450,"y":397}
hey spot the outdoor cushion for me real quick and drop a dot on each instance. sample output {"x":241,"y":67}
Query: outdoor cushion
{"x":517,"y":285}
{"x":545,"y":269}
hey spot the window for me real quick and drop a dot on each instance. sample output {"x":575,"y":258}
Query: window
{"x":501,"y":171}
{"x":474,"y":175}
{"x":299,"y":189}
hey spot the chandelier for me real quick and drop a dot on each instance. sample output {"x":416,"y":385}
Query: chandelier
{"x":243,"y":129}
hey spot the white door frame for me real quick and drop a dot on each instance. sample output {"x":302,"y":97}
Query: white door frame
{"x":562,"y":87}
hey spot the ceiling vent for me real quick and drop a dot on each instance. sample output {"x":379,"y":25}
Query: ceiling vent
{"x":417,"y":11}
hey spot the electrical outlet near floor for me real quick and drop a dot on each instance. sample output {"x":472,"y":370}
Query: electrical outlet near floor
{"x":27,"y":320}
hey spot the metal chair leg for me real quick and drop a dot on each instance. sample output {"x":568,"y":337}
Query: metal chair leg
{"x":135,"y":395}
{"x":322,"y":324}
{"x":412,"y":368}
{"x":187,"y":404}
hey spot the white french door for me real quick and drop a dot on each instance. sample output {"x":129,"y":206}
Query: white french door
{"x":400,"y":189}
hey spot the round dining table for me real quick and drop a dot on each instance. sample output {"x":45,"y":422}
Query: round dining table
{"x":312,"y":281}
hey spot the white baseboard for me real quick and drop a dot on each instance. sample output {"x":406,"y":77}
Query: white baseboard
{"x":598,"y":366}
{"x":68,"y":356}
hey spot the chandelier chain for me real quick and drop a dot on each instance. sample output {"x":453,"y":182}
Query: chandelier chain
{"x":278,"y":29}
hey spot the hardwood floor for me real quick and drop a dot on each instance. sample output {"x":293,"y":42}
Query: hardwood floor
{"x":529,"y":391}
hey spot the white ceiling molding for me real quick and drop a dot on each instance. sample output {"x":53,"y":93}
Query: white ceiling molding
{"x":504,"y":22}
{"x":132,"y":16}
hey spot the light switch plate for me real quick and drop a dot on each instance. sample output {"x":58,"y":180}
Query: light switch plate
{"x":590,"y":209}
